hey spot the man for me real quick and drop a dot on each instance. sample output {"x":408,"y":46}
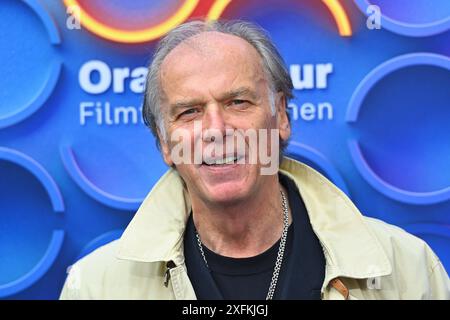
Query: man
{"x":218,"y":225}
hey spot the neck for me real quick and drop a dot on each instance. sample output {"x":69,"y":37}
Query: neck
{"x":245,"y":228}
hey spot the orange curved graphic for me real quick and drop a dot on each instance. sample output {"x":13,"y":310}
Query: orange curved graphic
{"x":335,"y":7}
{"x":135,"y":36}
{"x":340,"y":16}
{"x":181,"y":15}
{"x":217,"y":9}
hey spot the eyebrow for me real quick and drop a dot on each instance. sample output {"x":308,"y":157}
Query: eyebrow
{"x":185,"y":104}
{"x":242,"y":91}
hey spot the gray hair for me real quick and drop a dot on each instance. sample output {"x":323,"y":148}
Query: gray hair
{"x":273,"y":63}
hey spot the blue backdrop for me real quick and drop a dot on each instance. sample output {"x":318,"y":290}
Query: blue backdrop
{"x":371,"y":112}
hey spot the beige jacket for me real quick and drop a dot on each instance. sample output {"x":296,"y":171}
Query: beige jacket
{"x":365,"y":258}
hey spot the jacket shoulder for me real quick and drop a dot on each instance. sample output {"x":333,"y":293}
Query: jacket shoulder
{"x":102,"y":256}
{"x":101,"y":275}
{"x":391,"y":236}
{"x":84,"y":276}
{"x":417,"y":273}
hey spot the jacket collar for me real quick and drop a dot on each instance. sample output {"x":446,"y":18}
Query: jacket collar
{"x":351,"y":249}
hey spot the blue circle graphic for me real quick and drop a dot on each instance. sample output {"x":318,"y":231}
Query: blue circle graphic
{"x":318,"y":160}
{"x":399,"y":194}
{"x":411,"y":29}
{"x":108,"y":199}
{"x":40,"y":97}
{"x":55,"y":245}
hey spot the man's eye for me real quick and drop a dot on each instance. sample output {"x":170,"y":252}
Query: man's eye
{"x":237,"y":102}
{"x":188,"y":112}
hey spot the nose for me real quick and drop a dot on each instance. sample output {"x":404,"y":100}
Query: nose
{"x":213,"y":123}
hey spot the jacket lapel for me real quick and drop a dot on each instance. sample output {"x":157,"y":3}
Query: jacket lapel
{"x":156,"y":231}
{"x":351,"y":250}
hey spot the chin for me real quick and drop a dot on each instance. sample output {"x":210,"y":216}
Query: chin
{"x":225,"y":198}
{"x":228,"y":192}
{"x":221,"y":184}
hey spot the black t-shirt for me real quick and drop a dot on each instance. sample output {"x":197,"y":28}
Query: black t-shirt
{"x":246,"y":278}
{"x":302,"y":271}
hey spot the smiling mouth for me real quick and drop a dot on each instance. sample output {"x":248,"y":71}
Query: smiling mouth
{"x":222,"y":161}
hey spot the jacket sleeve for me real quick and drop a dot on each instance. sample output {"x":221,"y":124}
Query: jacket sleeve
{"x":439,"y":282}
{"x":72,"y":289}
{"x":417,"y":272}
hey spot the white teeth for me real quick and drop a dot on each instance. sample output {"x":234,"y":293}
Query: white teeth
{"x":226,"y":160}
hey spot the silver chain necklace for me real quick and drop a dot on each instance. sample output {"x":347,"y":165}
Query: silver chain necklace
{"x":279,"y":261}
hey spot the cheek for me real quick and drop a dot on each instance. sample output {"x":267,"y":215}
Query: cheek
{"x":187,"y":174}
{"x":180,"y":149}
{"x":256,"y":121}
{"x":185,"y":134}
{"x":267,"y":122}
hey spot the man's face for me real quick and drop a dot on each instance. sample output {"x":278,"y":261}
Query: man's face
{"x":218,"y":81}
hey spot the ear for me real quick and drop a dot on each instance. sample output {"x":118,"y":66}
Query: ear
{"x":165,"y":149}
{"x":282,"y":118}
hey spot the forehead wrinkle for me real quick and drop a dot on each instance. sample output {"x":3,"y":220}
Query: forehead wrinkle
{"x":203,"y":46}
{"x":211,"y":43}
